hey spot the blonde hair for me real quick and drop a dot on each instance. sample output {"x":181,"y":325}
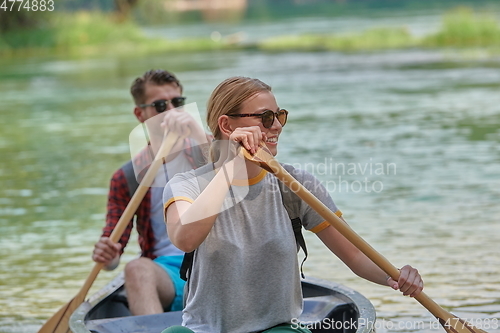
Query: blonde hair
{"x":228,"y":98}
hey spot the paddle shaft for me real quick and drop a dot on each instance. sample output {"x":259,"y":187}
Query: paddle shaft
{"x":350,"y":234}
{"x":59,"y":323}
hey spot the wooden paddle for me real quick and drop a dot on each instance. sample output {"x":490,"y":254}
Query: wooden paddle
{"x":59,"y":322}
{"x":265,"y":159}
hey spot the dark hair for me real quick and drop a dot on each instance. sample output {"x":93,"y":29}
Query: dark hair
{"x":155,"y":76}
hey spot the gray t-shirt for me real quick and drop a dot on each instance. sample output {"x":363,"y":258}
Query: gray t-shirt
{"x":245,"y":275}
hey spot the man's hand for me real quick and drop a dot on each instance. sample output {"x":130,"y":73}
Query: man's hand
{"x":107,"y":253}
{"x":183,"y":124}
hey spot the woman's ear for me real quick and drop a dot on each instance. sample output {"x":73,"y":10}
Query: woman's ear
{"x":224,"y":125}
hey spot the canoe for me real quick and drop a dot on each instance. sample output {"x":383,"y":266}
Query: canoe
{"x":328,"y":307}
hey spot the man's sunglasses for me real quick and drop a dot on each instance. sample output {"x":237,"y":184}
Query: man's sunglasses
{"x":161,"y":104}
{"x":267,"y":117}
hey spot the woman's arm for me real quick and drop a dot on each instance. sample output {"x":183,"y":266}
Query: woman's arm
{"x":188,"y":223}
{"x":410,"y":282}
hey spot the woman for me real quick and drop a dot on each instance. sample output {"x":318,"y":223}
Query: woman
{"x":245,"y":275}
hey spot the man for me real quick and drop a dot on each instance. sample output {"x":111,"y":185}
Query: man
{"x":152,"y":281}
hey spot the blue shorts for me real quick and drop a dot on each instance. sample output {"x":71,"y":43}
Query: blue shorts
{"x":172,"y":265}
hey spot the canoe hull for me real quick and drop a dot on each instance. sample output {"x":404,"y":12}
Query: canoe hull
{"x":328,"y":307}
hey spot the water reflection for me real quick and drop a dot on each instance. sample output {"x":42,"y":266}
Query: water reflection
{"x":65,"y":124}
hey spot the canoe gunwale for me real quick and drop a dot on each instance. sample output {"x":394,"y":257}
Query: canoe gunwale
{"x":363,"y":307}
{"x":77,"y":322}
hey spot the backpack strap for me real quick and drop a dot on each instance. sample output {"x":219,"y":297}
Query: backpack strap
{"x":292,"y":205}
{"x":128,"y":170}
{"x":187,"y":264}
{"x":297,"y":231}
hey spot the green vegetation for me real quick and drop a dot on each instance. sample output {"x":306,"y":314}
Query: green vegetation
{"x":89,"y":33}
{"x":96,"y":33}
{"x":379,"y":38}
{"x":462,"y":28}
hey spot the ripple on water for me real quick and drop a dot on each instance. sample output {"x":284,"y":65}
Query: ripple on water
{"x":417,"y":109}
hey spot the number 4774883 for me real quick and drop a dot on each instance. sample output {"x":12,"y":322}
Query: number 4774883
{"x":28,"y":5}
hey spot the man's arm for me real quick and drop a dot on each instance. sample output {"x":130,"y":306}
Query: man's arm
{"x":105,"y":251}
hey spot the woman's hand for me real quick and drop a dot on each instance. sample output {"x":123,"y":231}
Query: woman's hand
{"x":409,"y":283}
{"x":248,"y":137}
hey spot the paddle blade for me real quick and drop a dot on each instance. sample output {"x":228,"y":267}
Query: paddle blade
{"x":59,"y":322}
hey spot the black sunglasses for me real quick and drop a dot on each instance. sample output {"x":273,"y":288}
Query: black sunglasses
{"x":267,"y":117}
{"x":161,"y":104}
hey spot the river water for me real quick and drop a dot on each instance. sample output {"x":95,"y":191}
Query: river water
{"x":407,"y":143}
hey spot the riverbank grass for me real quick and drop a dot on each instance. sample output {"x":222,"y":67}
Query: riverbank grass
{"x":463,"y":28}
{"x":92,"y":33}
{"x":460,"y":28}
{"x":373,"y":39}
{"x":96,"y":33}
